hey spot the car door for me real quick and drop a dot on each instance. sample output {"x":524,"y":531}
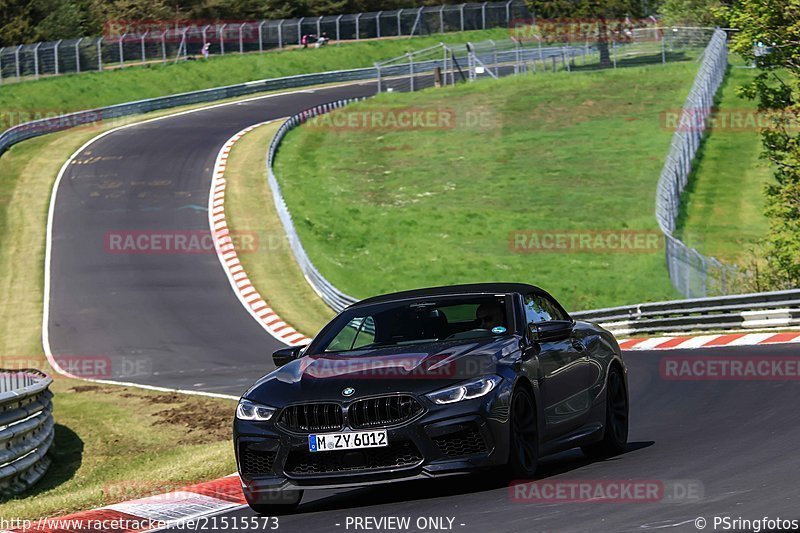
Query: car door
{"x":562,"y":375}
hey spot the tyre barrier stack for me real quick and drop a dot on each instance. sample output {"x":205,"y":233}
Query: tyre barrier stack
{"x":26,"y":429}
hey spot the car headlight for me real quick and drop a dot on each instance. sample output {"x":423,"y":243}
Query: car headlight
{"x":247,"y":410}
{"x":465,"y":391}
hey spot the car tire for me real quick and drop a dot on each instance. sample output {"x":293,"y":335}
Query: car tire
{"x":523,"y":446}
{"x":615,"y":434}
{"x":273,"y":509}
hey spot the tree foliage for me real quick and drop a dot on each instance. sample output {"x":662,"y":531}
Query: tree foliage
{"x":775,"y":24}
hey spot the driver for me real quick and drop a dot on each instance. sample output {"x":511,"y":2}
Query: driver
{"x":490,"y":315}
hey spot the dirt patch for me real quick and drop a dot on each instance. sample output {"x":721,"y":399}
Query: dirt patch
{"x":202,"y":421}
{"x":86,"y":388}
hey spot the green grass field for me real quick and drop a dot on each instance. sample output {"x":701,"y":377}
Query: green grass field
{"x":62,"y":94}
{"x":390,"y":209}
{"x":723,"y":207}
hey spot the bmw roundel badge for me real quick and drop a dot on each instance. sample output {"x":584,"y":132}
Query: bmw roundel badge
{"x":349,"y":391}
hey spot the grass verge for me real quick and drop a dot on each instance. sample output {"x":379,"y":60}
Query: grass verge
{"x":382,"y":208}
{"x":249,"y":208}
{"x":62,"y":94}
{"x":722,"y":211}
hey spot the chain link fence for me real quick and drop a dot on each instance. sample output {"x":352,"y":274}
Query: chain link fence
{"x":444,"y":64}
{"x":130,"y":43}
{"x":693,"y":274}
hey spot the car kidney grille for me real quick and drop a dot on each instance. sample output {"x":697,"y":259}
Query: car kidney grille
{"x":312,"y":417}
{"x":383,"y":411}
{"x":397,"y":455}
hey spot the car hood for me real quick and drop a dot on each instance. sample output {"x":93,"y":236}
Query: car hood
{"x":415,"y":369}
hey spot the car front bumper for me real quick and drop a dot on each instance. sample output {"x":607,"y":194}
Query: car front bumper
{"x":445,"y":440}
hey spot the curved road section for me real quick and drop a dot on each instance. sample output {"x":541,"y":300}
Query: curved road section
{"x":137,"y":293}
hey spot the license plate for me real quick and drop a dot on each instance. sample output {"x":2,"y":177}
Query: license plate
{"x":347,"y":441}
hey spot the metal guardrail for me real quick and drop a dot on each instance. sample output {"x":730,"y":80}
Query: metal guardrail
{"x":756,"y":311}
{"x":26,"y":428}
{"x":332,"y":296}
{"x":35,"y":128}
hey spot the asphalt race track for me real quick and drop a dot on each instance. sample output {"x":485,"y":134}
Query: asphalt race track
{"x":731,"y":444}
{"x":161,"y":319}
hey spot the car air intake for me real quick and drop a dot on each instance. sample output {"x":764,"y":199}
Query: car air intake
{"x":383,"y":411}
{"x":312,"y":417}
{"x":464,"y":442}
{"x":255,"y":462}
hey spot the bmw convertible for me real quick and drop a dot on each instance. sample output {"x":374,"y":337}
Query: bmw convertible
{"x":428,"y":383}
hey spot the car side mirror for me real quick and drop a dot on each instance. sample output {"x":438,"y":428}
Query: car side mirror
{"x":286,"y":355}
{"x":553,"y":330}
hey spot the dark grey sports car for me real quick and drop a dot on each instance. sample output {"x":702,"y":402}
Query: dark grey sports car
{"x":426,"y":383}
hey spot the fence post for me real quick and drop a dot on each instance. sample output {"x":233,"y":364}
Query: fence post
{"x":100,"y":54}
{"x":663,"y":50}
{"x":16,"y":58}
{"x":144,"y":51}
{"x":300,"y":29}
{"x":36,"y":61}
{"x":55,"y":56}
{"x":280,"y":33}
{"x":378,"y":24}
{"x":78,"y":56}
{"x":319,"y":29}
{"x":508,"y":12}
{"x":483,"y":15}
{"x":614,"y":47}
{"x":411,"y":70}
{"x":441,"y":19}
{"x":241,"y":38}
{"x":358,"y":33}
{"x":399,"y":23}
{"x":1,"y":64}
{"x":378,"y":70}
{"x":221,"y":39}
{"x":338,"y":37}
{"x":121,"y":52}
{"x":164,"y":45}
{"x":261,"y":36}
{"x":461,"y":11}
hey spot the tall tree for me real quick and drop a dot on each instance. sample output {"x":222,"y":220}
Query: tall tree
{"x":769,"y":35}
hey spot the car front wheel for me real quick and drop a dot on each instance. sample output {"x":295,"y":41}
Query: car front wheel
{"x":615,"y":436}
{"x":524,"y":443}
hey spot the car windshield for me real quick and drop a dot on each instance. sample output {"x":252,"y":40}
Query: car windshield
{"x":409,"y":322}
